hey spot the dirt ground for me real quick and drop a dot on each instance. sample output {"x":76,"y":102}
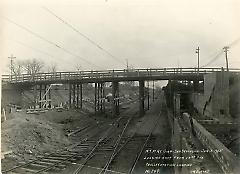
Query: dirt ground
{"x":156,"y":116}
{"x":29,"y":135}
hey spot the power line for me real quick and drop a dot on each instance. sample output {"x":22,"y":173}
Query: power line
{"x":213,"y":59}
{"x":219,"y":53}
{"x":48,"y":41}
{"x":86,"y":37}
{"x":33,"y":48}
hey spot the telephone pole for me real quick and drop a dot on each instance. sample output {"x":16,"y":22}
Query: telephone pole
{"x":198,"y":55}
{"x":11,"y":65}
{"x":226,"y":55}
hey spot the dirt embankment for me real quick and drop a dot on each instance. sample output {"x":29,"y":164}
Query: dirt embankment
{"x":29,"y":135}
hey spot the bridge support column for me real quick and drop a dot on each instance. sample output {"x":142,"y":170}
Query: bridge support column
{"x":101,"y":97}
{"x":141,"y":98}
{"x":49,"y":98}
{"x":70,"y":95}
{"x":115,"y":98}
{"x":74,"y":96}
{"x":103,"y":93}
{"x":40,"y":96}
{"x":148,"y":96}
{"x":195,"y":85}
{"x":45,"y":95}
{"x":102,"y":101}
{"x":35,"y":95}
{"x":81,"y":97}
{"x":153,"y":92}
{"x":95,"y":98}
{"x":98,"y":97}
{"x":78,"y":96}
{"x":177,"y":105}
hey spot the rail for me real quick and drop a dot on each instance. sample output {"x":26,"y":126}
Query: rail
{"x":119,"y":73}
{"x":63,"y":156}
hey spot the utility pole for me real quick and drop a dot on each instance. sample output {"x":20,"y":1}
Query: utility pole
{"x":198,"y":55}
{"x":226,"y":55}
{"x":127,"y":63}
{"x":11,"y":65}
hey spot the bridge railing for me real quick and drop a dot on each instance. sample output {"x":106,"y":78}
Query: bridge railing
{"x":107,"y":74}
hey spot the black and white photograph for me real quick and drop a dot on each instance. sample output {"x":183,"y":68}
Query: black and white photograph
{"x":120,"y":86}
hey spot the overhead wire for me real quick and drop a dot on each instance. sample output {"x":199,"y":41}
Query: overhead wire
{"x":83,"y":35}
{"x":33,"y":48}
{"x":213,"y":59}
{"x":220,"y":52}
{"x":50,"y":42}
{"x":28,"y":46}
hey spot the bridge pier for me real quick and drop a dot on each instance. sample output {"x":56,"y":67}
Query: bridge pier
{"x":176,"y":105}
{"x":77,"y":96}
{"x":35,"y":95}
{"x":98,"y":97}
{"x":196,"y":85}
{"x":74,"y":96}
{"x":70,"y":95}
{"x":49,"y":97}
{"x":44,"y":99}
{"x":45,"y":94}
{"x":99,"y":103}
{"x":81,"y":97}
{"x":40,"y":96}
{"x":153,"y":92}
{"x":95,"y":98}
{"x":148,"y":96}
{"x":115,"y":98}
{"x":102,"y":98}
{"x":141,"y":98}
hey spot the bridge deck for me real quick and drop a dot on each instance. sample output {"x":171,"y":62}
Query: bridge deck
{"x":114,"y":75}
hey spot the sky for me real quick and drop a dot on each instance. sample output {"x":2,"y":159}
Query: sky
{"x":106,"y":34}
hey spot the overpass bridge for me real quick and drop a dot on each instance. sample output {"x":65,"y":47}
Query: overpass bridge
{"x":113,"y":75}
{"x":42,"y":82}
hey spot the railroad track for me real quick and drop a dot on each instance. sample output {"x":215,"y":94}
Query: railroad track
{"x":104,"y":162}
{"x":83,"y":155}
{"x":59,"y":160}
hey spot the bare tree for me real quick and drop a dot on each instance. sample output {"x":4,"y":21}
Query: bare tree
{"x":17,"y":68}
{"x":33,"y":66}
{"x":78,"y":67}
{"x":52,"y":68}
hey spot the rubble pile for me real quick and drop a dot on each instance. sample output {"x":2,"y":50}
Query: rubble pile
{"x":26,"y":135}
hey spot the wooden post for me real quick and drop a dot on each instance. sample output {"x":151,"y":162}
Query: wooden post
{"x":74,"y":95}
{"x":104,"y":98}
{"x":153,"y":92}
{"x":40,"y":96}
{"x":70,"y":95}
{"x":115,"y":107}
{"x":148,"y":96}
{"x":141,"y":98}
{"x":81,"y":97}
{"x":49,"y":97}
{"x":77,"y":95}
{"x":95,"y":98}
{"x":98,"y":97}
{"x":45,"y":97}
